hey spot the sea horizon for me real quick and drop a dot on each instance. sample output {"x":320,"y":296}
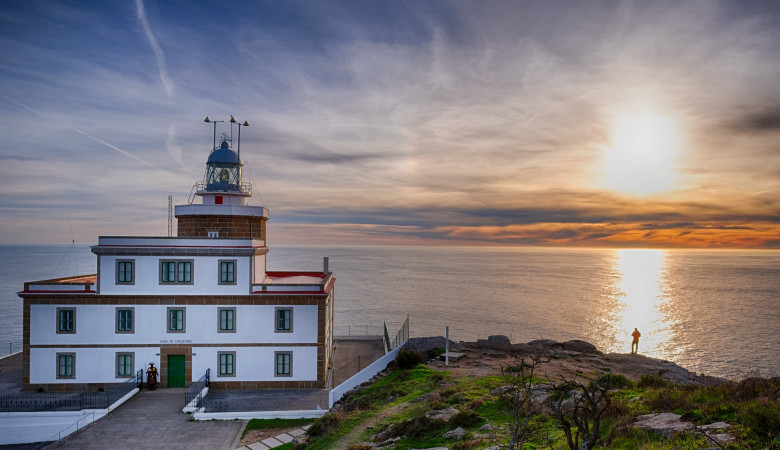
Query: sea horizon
{"x":676,"y":297}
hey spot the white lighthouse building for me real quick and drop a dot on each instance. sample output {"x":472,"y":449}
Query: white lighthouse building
{"x":200,"y":300}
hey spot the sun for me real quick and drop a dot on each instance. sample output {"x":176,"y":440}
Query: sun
{"x":641,"y":158}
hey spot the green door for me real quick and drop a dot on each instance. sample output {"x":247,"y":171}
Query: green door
{"x":175,"y":371}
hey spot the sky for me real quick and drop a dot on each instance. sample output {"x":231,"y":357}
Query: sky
{"x":536,"y":123}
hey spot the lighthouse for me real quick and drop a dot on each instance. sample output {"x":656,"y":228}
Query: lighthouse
{"x":198,"y":303}
{"x":223,"y":211}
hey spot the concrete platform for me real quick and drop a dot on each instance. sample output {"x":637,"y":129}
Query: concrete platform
{"x":153,"y":419}
{"x":11,"y":374}
{"x":354,"y":353}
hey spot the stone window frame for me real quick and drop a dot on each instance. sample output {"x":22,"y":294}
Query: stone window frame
{"x":72,"y":365}
{"x":131,"y":374}
{"x":221,"y":374}
{"x":59,"y":322}
{"x":219,"y":320}
{"x":183,"y":319}
{"x":276,"y":364}
{"x":176,"y":263}
{"x":132,"y":319}
{"x":276,"y":319}
{"x":132,"y":271}
{"x":219,"y":271}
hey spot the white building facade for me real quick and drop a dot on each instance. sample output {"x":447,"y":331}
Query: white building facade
{"x":200,"y":301}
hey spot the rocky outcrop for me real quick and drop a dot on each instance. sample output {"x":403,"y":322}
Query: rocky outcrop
{"x":577,"y":345}
{"x":441,"y":414}
{"x":456,"y":434}
{"x":670,"y":424}
{"x":497,"y":341}
{"x":422,"y":345}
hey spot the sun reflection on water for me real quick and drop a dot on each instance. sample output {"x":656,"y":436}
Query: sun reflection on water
{"x":641,"y":299}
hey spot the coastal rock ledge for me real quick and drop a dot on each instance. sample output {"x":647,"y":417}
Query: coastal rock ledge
{"x":569,"y":357}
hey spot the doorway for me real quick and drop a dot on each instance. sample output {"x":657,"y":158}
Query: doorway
{"x":176,"y":371}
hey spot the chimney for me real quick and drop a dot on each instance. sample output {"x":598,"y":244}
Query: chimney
{"x":325,"y":265}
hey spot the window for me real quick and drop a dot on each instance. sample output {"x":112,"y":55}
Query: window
{"x":227,"y":320}
{"x":66,"y":320}
{"x":124,"y":271}
{"x":124,"y":320}
{"x":283,"y":364}
{"x":227,"y":364}
{"x":124,"y":365}
{"x":213,"y":234}
{"x":176,"y":272}
{"x":176,"y":320}
{"x":284,"y":317}
{"x":227,"y":272}
{"x":66,"y":365}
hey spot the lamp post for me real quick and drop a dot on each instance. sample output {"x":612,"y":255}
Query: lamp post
{"x":215,"y":122}
{"x":245,"y":124}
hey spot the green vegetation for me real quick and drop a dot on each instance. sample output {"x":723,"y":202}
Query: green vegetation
{"x":395,"y":407}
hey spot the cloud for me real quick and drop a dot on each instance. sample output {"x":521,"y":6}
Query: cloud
{"x":767,"y":119}
{"x":113,"y":147}
{"x":158,"y":52}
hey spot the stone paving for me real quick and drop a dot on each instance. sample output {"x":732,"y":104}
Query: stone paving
{"x":276,"y":441}
{"x":153,"y":419}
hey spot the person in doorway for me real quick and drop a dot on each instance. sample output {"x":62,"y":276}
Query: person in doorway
{"x":635,"y":341}
{"x":151,"y":376}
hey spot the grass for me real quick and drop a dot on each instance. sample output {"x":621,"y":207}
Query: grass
{"x":751,"y":407}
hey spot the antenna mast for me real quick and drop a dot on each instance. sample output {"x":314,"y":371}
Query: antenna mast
{"x":170,"y":215}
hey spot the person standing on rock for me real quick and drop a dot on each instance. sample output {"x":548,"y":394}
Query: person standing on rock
{"x":635,"y":342}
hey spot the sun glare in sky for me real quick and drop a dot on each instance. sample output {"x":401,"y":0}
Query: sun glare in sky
{"x":641,"y":158}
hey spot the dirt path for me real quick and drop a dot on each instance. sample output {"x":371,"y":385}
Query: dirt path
{"x":353,"y":436}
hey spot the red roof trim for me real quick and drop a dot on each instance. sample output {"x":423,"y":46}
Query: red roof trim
{"x":179,"y":246}
{"x":55,"y":292}
{"x":289,"y":293}
{"x":295,"y":274}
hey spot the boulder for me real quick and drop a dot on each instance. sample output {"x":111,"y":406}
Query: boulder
{"x":442,"y":414}
{"x":496,"y":341}
{"x":545,"y":344}
{"x":665,"y":424}
{"x":456,"y":434}
{"x":577,"y":345}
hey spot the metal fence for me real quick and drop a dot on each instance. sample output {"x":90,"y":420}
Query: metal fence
{"x":400,"y":337}
{"x":194,"y":391}
{"x":266,"y":400}
{"x":48,"y":401}
{"x":13,"y":347}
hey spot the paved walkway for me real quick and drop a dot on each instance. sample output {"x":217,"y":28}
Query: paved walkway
{"x":276,"y":441}
{"x":153,"y":419}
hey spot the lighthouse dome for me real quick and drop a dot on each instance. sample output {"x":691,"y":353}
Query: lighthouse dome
{"x":223,"y":155}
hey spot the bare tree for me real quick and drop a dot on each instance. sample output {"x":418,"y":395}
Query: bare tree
{"x":519,"y":391}
{"x":579,"y":415}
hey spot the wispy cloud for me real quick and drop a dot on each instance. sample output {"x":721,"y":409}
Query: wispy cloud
{"x":159,"y":55}
{"x":114,"y":147}
{"x":439,"y":122}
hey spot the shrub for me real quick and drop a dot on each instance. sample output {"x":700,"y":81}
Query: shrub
{"x":418,"y":427}
{"x":762,"y":416}
{"x":652,"y":381}
{"x":615,"y":381}
{"x":325,"y":424}
{"x":435,"y":352}
{"x":465,"y":419}
{"x":360,"y":447}
{"x":407,"y":359}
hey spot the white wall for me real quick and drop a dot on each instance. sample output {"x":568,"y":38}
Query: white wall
{"x":93,"y":365}
{"x":96,"y":324}
{"x":205,"y":276}
{"x":255,"y":363}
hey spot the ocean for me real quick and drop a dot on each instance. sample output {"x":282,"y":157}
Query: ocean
{"x":711,"y":311}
